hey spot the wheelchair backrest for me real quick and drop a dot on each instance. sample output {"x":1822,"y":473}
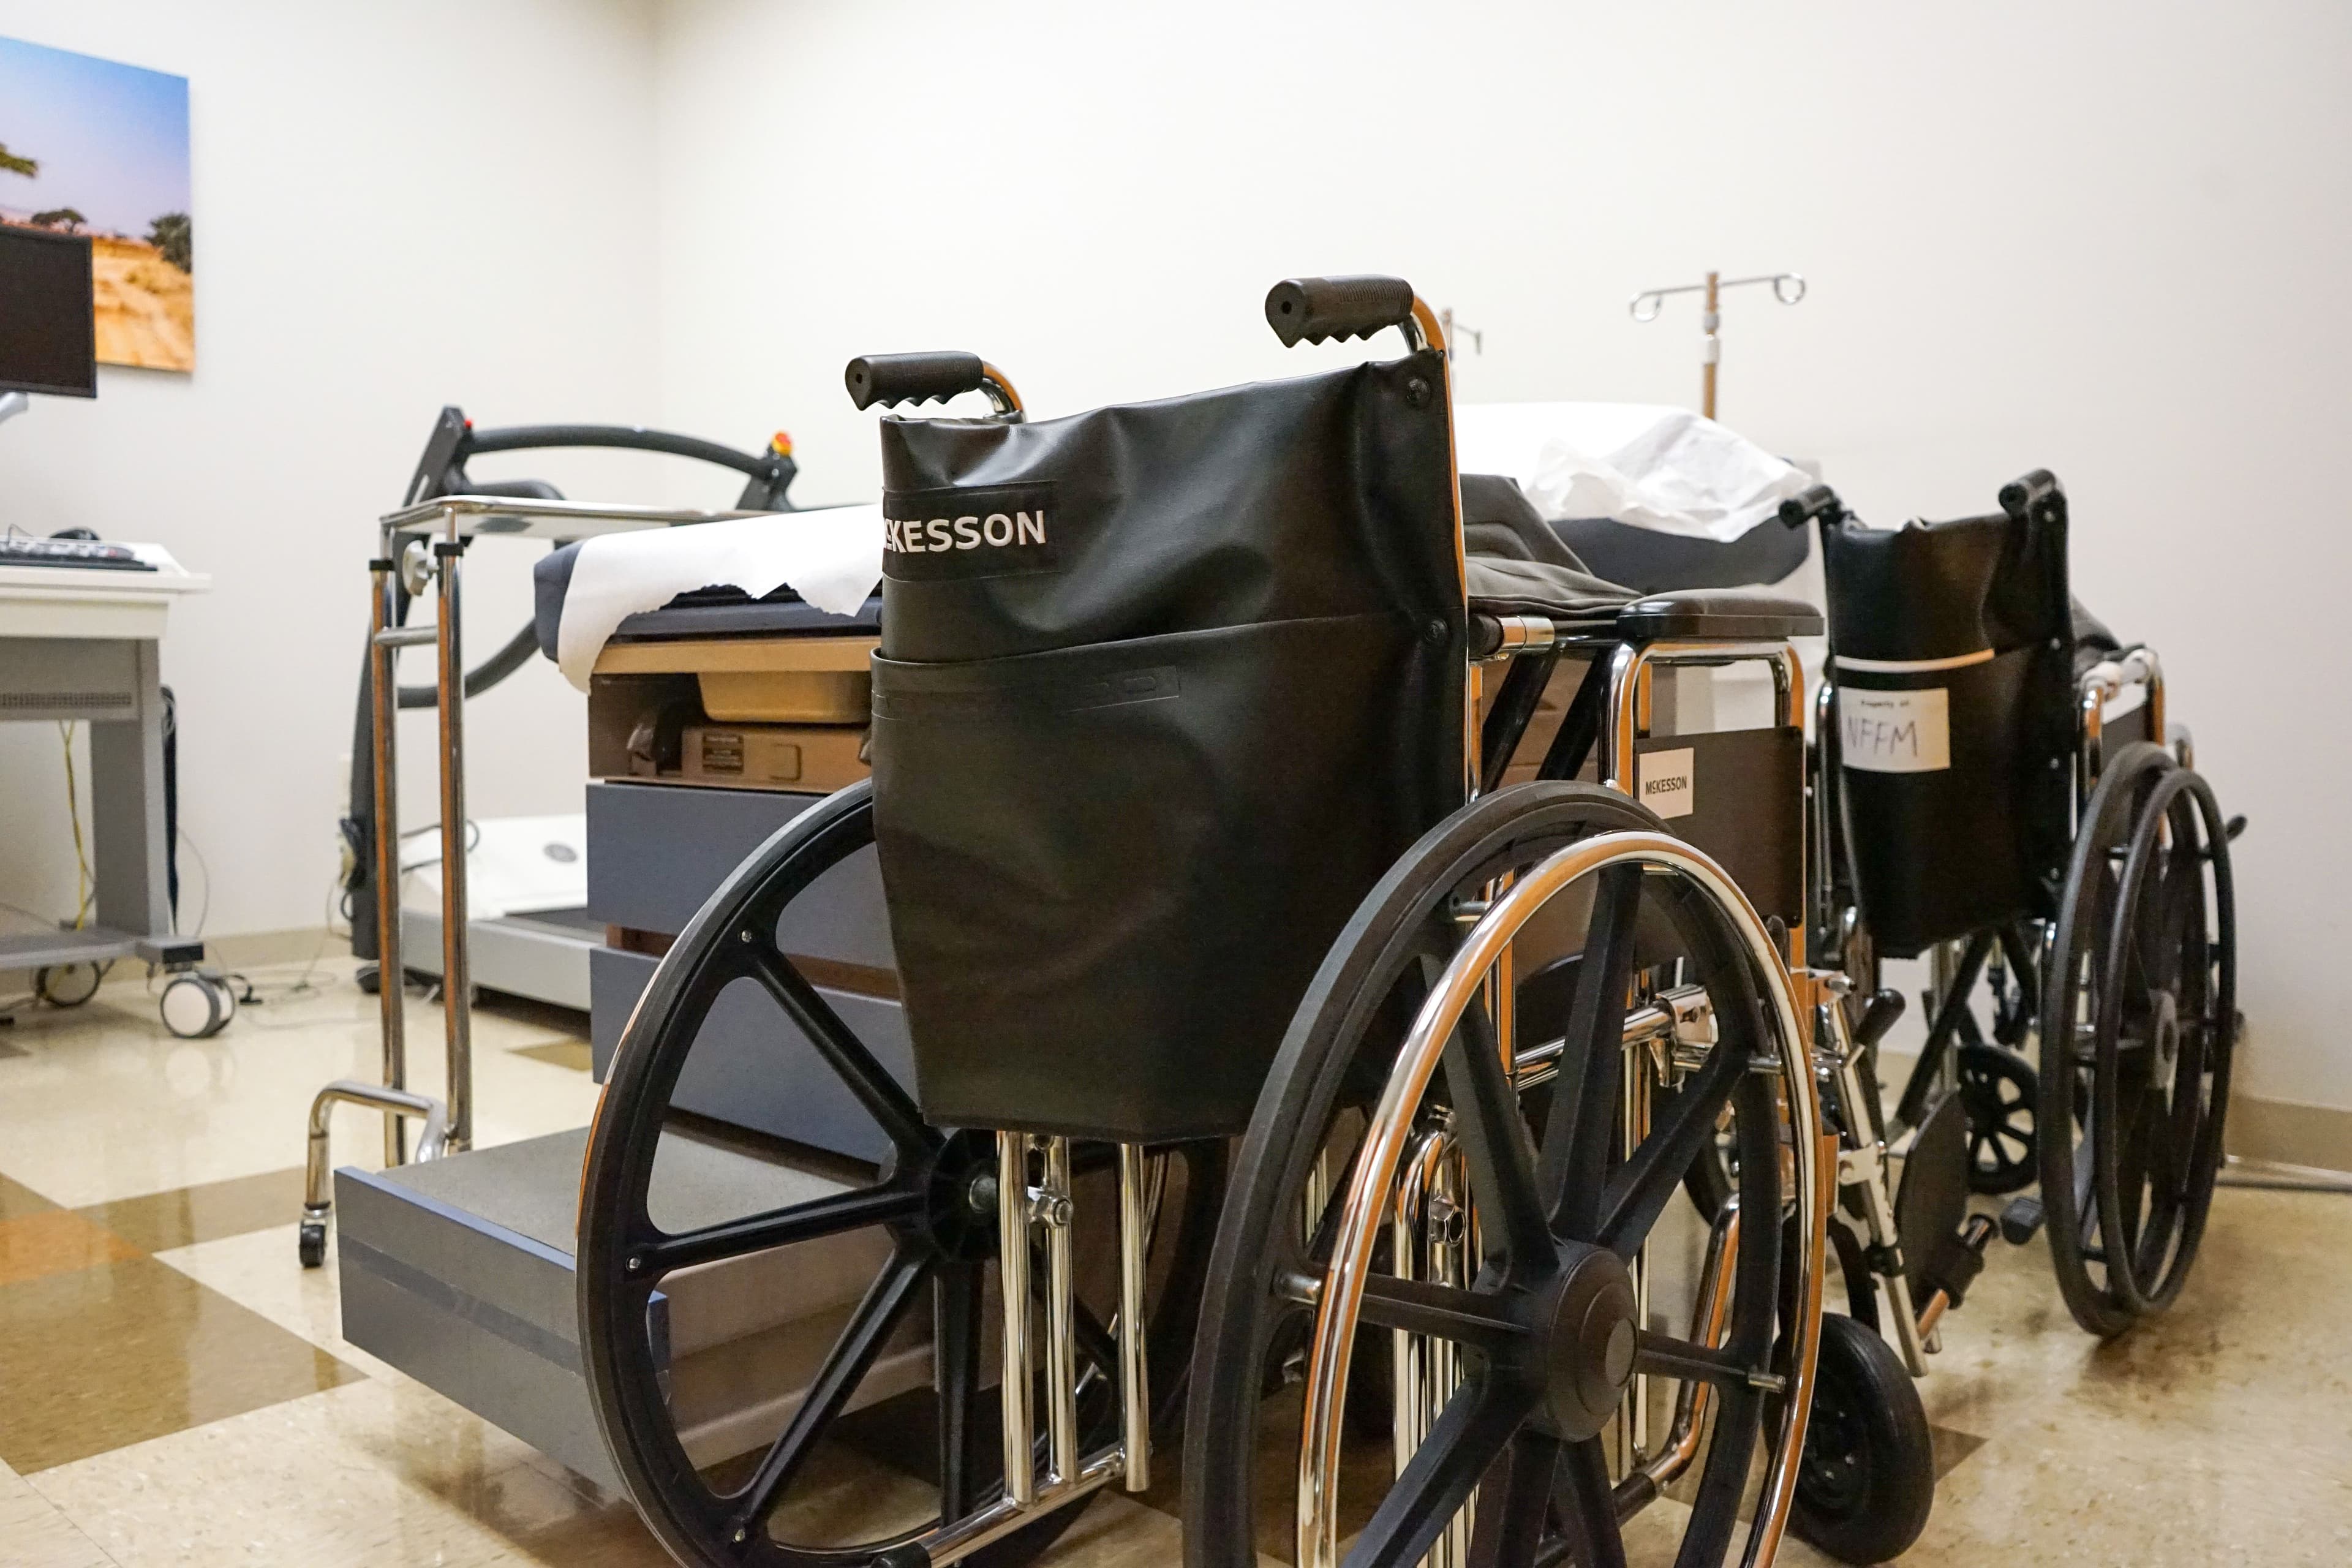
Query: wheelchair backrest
{"x":1162,"y":690}
{"x":1952,"y":655}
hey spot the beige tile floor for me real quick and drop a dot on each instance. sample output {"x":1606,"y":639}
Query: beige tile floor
{"x":174,"y":1390}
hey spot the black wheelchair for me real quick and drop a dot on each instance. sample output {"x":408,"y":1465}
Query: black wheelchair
{"x":1241,"y":769}
{"x":1999,"y":803}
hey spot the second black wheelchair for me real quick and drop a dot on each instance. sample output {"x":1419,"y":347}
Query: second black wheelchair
{"x":2012,"y":801}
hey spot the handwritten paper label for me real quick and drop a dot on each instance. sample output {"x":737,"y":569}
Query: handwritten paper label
{"x":1895,"y":731}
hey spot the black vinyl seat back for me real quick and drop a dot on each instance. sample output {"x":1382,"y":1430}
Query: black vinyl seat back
{"x":1162,"y":690}
{"x":1953,"y":649}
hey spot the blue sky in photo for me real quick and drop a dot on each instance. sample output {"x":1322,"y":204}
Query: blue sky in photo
{"x":112,"y":139}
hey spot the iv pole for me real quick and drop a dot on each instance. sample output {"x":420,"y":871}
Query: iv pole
{"x":1787,"y":287}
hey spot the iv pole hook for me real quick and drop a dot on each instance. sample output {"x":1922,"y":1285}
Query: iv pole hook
{"x":1787,"y":287}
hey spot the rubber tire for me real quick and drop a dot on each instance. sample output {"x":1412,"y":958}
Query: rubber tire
{"x":1860,"y":1385}
{"x":310,"y":1244}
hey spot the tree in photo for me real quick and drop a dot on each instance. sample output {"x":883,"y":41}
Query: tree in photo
{"x":66,"y":218}
{"x":10,"y":164}
{"x":174,"y":236}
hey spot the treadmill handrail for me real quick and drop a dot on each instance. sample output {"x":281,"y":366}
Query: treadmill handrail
{"x":474,"y":515}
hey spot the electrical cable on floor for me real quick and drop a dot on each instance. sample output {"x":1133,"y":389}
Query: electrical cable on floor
{"x":204,"y":910}
{"x":84,"y":883}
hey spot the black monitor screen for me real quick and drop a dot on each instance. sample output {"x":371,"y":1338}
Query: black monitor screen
{"x":49,"y":329}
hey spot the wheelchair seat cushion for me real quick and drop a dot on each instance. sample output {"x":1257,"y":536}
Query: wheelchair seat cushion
{"x":1497,"y":519}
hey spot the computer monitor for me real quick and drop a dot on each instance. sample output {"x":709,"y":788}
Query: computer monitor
{"x":48,"y":326}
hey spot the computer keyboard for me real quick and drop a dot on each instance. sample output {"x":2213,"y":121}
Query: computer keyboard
{"x":21,"y":549}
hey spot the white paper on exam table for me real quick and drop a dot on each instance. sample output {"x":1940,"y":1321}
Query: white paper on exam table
{"x":832,"y":558}
{"x":1645,"y":465}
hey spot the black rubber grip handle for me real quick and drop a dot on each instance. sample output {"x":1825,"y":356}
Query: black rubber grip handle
{"x":1886,"y":1006}
{"x":1816,"y":502}
{"x":912,"y":378}
{"x":2031,"y":494}
{"x":1317,"y":308}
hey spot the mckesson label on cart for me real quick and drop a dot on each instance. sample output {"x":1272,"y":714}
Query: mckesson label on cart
{"x":1668,"y":781}
{"x":1895,"y":731}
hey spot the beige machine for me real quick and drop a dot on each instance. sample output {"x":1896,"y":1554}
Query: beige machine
{"x":750,"y":711}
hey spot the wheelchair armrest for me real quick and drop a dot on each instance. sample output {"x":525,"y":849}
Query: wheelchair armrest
{"x":1729,"y":615}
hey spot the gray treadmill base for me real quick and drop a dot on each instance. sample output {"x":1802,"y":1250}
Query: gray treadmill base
{"x":543,"y":956}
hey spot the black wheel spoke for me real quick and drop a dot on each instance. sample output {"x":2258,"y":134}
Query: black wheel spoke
{"x":1444,"y":1311}
{"x":1663,"y":1355}
{"x":875,"y":1089}
{"x":1639,"y":1190}
{"x":1585,"y":1098}
{"x":845,"y":1365}
{"x":1514,"y":1504}
{"x":1586,"y":1508}
{"x":781,"y":1227}
{"x":1469,"y":1432}
{"x":955,"y":1385}
{"x":1493,"y":1140}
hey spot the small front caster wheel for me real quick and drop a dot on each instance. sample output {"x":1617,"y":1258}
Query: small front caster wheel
{"x":196,"y":1005}
{"x":67,"y":984}
{"x":312,"y":1243}
{"x":1869,"y":1473}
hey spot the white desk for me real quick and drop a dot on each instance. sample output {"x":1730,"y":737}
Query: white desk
{"x":83,"y":644}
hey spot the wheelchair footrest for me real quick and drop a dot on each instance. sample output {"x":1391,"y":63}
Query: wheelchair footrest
{"x":1957,"y":1258}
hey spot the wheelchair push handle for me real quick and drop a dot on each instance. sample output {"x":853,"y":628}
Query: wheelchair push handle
{"x":1816,"y":503}
{"x":2038,"y":494}
{"x":1319,"y":309}
{"x":891,"y":379}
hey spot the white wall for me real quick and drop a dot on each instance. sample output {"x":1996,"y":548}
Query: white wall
{"x":396,"y":206}
{"x":2102,"y":238}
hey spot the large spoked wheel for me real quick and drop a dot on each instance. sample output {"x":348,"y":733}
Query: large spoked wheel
{"x":2141,"y":1026}
{"x":1528,"y":1363}
{"x":922,"y":1222}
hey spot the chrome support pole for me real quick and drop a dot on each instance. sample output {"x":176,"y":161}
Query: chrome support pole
{"x":383,"y":718}
{"x":1061,"y":1334}
{"x":1013,"y":1210}
{"x":1409,"y":1414}
{"x":1710,"y":1314}
{"x":1634,"y":1431}
{"x":457,"y":978}
{"x":1861,"y":1165}
{"x":1449,"y":1229}
{"x":1134,"y":1341}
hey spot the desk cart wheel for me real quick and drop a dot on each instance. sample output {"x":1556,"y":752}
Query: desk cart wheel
{"x":68,"y":984}
{"x":312,"y":1243}
{"x":196,"y":1005}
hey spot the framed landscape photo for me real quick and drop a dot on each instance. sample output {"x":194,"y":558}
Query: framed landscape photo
{"x":91,"y":147}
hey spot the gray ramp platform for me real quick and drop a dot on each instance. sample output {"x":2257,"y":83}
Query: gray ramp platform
{"x":459,"y":1272}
